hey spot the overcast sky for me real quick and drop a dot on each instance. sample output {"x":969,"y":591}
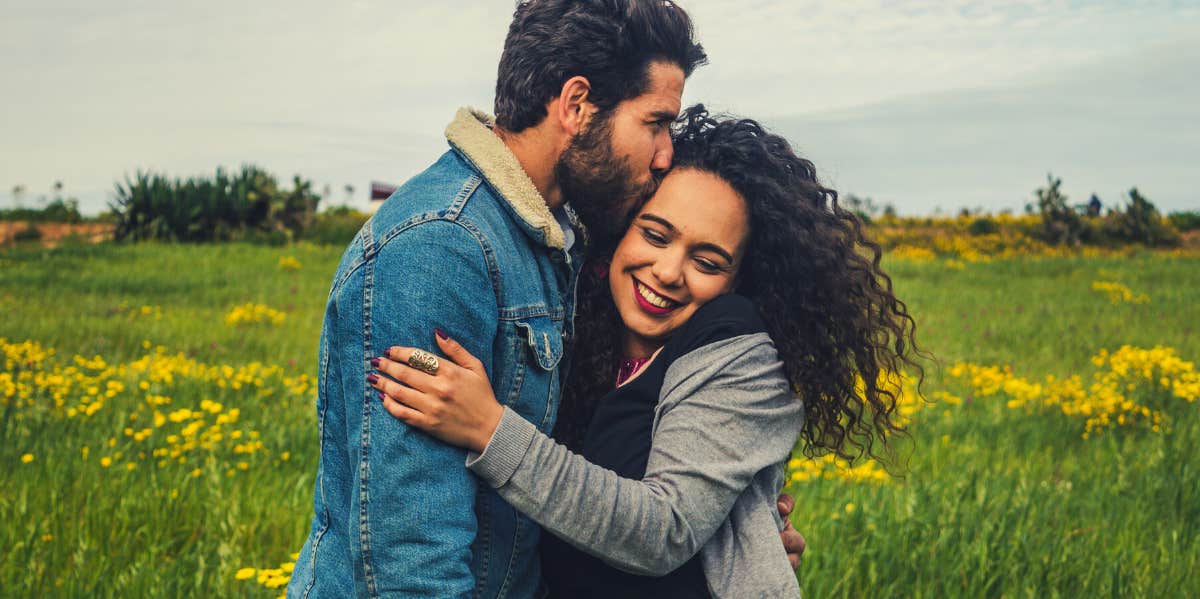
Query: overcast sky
{"x":924,"y":104}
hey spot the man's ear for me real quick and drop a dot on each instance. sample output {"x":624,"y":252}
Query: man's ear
{"x":573,"y":108}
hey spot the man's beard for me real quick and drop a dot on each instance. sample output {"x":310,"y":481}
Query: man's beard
{"x":600,"y":186}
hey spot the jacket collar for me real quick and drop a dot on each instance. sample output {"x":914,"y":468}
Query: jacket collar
{"x":471,"y":134}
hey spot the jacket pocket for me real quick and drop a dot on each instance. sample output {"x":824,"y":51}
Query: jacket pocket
{"x":544,"y":339}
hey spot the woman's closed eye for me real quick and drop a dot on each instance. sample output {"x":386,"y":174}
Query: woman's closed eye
{"x":654,"y":237}
{"x":708,"y":267}
{"x":715,"y":265}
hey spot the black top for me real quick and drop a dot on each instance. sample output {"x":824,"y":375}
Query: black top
{"x":618,"y":438}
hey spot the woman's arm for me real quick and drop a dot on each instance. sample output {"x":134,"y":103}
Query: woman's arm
{"x":725,"y":413}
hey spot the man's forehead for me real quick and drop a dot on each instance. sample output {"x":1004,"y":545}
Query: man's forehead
{"x":663,"y":96}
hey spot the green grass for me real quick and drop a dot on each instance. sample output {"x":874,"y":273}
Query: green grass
{"x":994,"y":502}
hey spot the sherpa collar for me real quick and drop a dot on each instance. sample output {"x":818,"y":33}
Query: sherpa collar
{"x":471,"y":132}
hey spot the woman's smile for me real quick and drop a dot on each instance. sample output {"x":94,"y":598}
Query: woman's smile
{"x":651,"y":301}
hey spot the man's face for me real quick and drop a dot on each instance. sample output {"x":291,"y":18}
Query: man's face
{"x":617,"y":160}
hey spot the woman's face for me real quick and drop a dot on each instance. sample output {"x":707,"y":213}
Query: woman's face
{"x":682,"y":250}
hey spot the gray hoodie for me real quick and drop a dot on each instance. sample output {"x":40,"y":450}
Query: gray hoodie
{"x":724,"y":427}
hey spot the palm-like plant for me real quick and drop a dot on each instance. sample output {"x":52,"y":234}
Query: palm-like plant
{"x":224,"y":207}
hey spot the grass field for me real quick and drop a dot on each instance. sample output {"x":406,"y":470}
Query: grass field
{"x":158,"y":430}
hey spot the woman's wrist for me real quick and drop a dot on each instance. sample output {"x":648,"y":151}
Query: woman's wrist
{"x":490,"y":423}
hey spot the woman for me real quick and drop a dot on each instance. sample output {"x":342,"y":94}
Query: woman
{"x":671,"y":475}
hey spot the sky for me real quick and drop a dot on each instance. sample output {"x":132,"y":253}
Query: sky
{"x":931,"y":106}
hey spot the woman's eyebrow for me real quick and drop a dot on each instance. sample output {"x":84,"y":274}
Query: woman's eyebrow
{"x":658,"y":219}
{"x":712,"y":247}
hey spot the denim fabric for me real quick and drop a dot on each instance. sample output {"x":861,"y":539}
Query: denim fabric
{"x":396,"y":513}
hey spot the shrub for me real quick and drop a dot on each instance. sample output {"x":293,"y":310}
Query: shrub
{"x":57,"y":211}
{"x":1185,"y":221}
{"x":983,"y":226}
{"x":336,"y":226}
{"x":1140,"y":222}
{"x":31,"y":232}
{"x":1061,"y":225}
{"x":864,"y":207}
{"x":247,"y":205}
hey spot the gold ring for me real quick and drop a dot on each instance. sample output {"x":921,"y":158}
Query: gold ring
{"x":423,"y":360}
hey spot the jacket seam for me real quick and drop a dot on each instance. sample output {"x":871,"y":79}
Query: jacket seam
{"x":489,"y":254}
{"x":483,"y":533}
{"x":320,"y":533}
{"x":364,"y":469}
{"x":518,"y":534}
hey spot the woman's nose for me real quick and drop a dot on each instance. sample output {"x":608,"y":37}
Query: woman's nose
{"x":669,"y":271}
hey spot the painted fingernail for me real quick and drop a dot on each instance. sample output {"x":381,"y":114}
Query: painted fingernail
{"x":440,"y":333}
{"x":375,"y":362}
{"x":381,"y":397}
{"x":371,"y":378}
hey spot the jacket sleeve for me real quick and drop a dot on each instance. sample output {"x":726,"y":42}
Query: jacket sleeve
{"x":417,"y":499}
{"x":726,"y":414}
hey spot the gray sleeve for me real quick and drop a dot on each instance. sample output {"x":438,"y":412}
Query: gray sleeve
{"x":725,"y":413}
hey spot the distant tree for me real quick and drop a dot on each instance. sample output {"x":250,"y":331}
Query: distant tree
{"x":296,"y":207}
{"x":1061,"y":225}
{"x":1139,"y":222}
{"x":1185,"y":220}
{"x":18,"y":192}
{"x":864,"y":207}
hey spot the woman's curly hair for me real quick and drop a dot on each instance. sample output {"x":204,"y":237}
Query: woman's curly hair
{"x":841,"y":333}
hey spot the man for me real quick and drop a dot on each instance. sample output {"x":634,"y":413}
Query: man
{"x":483,"y":247}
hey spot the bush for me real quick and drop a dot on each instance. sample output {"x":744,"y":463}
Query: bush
{"x":336,"y":226}
{"x":247,"y":205}
{"x":57,"y":211}
{"x":1185,"y":221}
{"x":865,"y":208}
{"x":1140,"y":222}
{"x":983,"y":226}
{"x":31,"y":232}
{"x":1061,"y":225}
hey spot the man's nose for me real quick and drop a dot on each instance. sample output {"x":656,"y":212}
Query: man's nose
{"x":662,"y":157}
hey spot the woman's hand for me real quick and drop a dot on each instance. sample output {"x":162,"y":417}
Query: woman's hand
{"x":456,"y":404}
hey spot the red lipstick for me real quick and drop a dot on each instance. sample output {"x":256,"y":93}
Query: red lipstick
{"x":647,"y":306}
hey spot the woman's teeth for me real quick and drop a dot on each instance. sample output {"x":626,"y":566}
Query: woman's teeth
{"x":652,"y":298}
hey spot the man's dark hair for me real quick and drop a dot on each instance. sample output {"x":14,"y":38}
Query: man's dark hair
{"x":610,"y":42}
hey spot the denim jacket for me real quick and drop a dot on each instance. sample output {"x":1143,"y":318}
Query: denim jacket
{"x":470,"y":246}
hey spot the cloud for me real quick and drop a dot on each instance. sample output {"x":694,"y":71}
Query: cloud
{"x":351,"y":92}
{"x":812,"y":56}
{"x":1103,"y":128}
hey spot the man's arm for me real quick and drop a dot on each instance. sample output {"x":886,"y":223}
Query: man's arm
{"x":417,"y":517}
